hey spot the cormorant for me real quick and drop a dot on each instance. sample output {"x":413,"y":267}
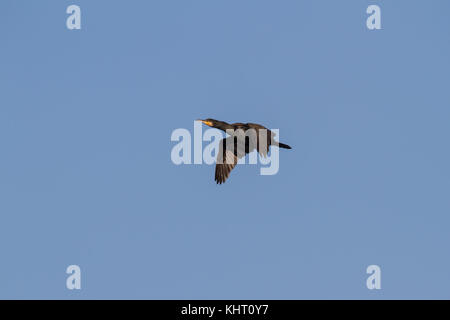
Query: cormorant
{"x":251,"y":133}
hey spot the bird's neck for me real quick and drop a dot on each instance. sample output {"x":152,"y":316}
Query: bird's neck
{"x":222,"y":125}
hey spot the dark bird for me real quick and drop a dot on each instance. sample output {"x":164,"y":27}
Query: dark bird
{"x":243,"y":139}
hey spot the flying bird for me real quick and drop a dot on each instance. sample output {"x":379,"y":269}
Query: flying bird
{"x":243,"y":139}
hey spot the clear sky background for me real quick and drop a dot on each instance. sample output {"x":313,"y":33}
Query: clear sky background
{"x":86,"y":176}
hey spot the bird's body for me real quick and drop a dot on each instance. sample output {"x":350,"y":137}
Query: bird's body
{"x":244,"y":138}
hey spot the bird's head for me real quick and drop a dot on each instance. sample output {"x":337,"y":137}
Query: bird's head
{"x":221,"y":125}
{"x":210,"y":122}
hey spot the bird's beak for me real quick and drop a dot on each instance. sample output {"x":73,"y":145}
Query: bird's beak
{"x":208,"y":123}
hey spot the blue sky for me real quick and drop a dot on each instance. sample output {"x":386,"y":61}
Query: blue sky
{"x":85,"y":171}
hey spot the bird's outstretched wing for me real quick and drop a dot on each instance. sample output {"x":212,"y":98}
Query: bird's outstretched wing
{"x":226,"y":161}
{"x":231,"y":150}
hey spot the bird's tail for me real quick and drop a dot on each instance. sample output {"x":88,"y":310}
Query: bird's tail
{"x":282,"y":145}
